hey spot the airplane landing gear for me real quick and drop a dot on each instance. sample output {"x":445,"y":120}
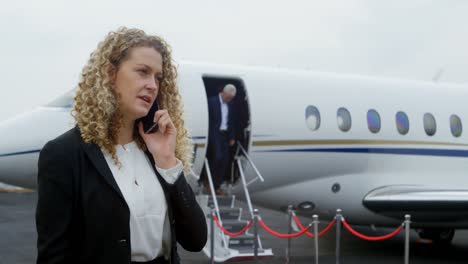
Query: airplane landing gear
{"x":440,"y":236}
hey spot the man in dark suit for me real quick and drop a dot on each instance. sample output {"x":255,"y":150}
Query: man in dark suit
{"x":221,"y":134}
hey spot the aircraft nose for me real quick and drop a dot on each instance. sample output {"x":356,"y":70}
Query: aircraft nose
{"x":23,"y":137}
{"x":18,"y":156}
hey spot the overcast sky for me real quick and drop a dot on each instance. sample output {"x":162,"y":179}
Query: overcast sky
{"x":44,"y":44}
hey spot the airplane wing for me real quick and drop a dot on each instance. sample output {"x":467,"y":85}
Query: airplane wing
{"x":423,"y":203}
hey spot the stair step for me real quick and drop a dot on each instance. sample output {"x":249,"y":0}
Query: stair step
{"x":230,"y":213}
{"x":243,"y":241}
{"x":234,"y":226}
{"x":242,"y":246}
{"x":223,"y":201}
{"x":247,"y":250}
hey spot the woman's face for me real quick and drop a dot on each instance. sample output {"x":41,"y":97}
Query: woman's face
{"x":137,"y":81}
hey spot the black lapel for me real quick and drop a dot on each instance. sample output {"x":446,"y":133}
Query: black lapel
{"x":98,"y":160}
{"x":218,"y":110}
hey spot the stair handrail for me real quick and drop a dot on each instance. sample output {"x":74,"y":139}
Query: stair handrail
{"x":246,"y":190}
{"x":213,"y":195}
{"x":247,"y":156}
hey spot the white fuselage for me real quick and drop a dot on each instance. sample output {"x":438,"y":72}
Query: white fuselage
{"x":300,"y":164}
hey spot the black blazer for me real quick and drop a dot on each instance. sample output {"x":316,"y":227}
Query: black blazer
{"x":82,"y":216}
{"x":214,"y":108}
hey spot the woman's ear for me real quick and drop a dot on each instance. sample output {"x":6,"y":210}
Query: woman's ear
{"x":112,"y":73}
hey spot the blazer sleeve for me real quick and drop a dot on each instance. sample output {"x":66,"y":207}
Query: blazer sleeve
{"x":190,"y":223}
{"x":54,"y":206}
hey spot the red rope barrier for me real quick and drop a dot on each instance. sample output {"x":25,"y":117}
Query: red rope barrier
{"x":305,"y":230}
{"x":354,"y":232}
{"x":229,"y":233}
{"x":321,"y":233}
{"x":269,"y":230}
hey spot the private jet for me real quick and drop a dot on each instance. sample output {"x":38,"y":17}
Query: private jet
{"x":376,"y":148}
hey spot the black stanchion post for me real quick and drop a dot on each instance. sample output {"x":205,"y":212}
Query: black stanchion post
{"x":212,"y":235}
{"x":407,"y":238}
{"x":288,"y":249}
{"x":338,"y":235}
{"x":256,"y":234}
{"x":316,"y":222}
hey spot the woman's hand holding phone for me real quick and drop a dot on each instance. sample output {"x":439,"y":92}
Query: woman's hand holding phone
{"x":161,"y":143}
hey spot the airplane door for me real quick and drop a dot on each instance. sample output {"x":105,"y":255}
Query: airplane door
{"x":239,"y":115}
{"x":193,"y":95}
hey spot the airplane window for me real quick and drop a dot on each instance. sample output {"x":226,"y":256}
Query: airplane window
{"x":402,"y":122}
{"x":312,"y":117}
{"x":65,"y":100}
{"x":344,"y":119}
{"x":373,"y":121}
{"x":455,"y":125}
{"x":430,"y":125}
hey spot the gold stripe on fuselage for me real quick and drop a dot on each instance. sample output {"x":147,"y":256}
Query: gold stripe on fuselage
{"x":272,"y":143}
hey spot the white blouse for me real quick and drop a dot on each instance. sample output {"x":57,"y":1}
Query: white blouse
{"x":150,"y":235}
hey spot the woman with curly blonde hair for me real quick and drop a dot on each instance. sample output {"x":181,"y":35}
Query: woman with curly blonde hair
{"x":109,"y":192}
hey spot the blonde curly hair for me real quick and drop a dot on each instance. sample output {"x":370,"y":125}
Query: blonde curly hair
{"x":96,"y":109}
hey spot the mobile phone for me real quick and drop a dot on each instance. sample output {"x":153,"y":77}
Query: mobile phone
{"x":148,"y":125}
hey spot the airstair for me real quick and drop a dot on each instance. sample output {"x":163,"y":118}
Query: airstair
{"x":230,"y":216}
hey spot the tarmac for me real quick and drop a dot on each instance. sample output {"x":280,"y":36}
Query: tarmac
{"x":18,"y":240}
